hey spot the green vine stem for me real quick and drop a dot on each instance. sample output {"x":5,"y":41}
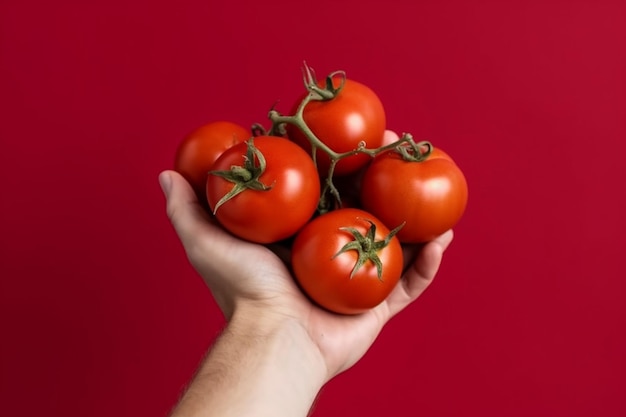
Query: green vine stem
{"x":246,"y":176}
{"x":406,"y":146}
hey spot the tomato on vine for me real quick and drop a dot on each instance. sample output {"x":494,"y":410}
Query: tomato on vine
{"x":347,"y":261}
{"x":427,"y":190}
{"x":265,"y":187}
{"x":352,"y":116}
{"x":263,"y":190}
{"x":200,"y":149}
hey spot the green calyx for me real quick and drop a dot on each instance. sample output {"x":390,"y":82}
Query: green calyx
{"x":415,"y":152}
{"x":367,"y":247}
{"x":245,"y":177}
{"x":322,"y":94}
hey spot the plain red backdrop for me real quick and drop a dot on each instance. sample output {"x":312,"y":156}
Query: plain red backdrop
{"x":100,"y":313}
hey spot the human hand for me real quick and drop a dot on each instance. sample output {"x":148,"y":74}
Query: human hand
{"x":253,"y":278}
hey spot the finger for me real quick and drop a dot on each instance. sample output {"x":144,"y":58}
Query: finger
{"x":188,"y":217}
{"x":409,"y":252}
{"x":390,"y":137}
{"x":420,"y":274}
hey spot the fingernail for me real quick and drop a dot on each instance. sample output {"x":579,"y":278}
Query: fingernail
{"x":165,"y":180}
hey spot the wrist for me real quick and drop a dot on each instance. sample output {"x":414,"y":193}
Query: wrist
{"x":264,"y":363}
{"x":261,"y":324}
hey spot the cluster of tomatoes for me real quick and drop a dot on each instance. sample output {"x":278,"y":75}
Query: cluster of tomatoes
{"x":334,"y":184}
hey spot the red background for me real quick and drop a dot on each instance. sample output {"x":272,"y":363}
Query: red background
{"x":100,"y":313}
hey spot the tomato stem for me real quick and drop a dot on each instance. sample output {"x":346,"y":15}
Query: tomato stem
{"x":257,"y":129}
{"x":367,"y":247}
{"x":246,"y":176}
{"x":415,"y":152}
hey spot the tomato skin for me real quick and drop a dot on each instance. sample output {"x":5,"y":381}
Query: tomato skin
{"x":200,"y":149}
{"x":431,"y":196}
{"x":276,"y":214}
{"x":326,"y":280}
{"x":356,"y":114}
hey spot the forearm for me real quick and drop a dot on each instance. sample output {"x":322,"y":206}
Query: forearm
{"x":257,"y":367}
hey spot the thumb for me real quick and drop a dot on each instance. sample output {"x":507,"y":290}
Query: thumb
{"x":183,"y":208}
{"x":419,"y":275}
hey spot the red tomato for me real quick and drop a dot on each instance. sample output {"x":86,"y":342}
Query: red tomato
{"x":355,"y":114}
{"x":325,"y":275}
{"x":201,"y":148}
{"x":430,"y":196}
{"x":275,"y":214}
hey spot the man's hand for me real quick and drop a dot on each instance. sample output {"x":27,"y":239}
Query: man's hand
{"x":253,"y":287}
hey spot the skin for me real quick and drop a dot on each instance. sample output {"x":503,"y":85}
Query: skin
{"x":278,"y":349}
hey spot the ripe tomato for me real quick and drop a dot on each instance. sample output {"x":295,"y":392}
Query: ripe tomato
{"x":355,"y":114}
{"x":274,"y":214}
{"x":201,"y":148}
{"x":430,"y":196}
{"x":325,"y":274}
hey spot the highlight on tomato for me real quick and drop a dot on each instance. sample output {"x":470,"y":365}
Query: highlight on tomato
{"x":263,"y":190}
{"x":347,"y":261}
